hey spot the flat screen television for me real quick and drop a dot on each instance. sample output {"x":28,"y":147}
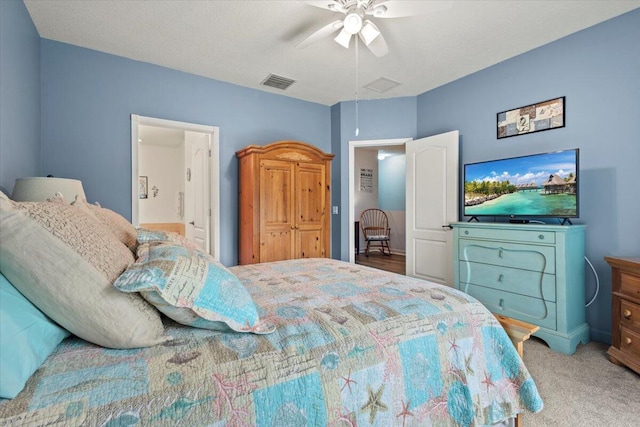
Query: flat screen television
{"x":537,"y":185}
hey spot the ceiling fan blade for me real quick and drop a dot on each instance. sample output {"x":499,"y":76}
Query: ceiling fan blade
{"x":369,"y":32}
{"x":332,"y":5}
{"x":400,"y":9}
{"x":344,"y":38}
{"x":377,"y":46}
{"x":321,"y":33}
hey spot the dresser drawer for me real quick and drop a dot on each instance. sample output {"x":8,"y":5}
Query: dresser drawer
{"x":524,"y":257}
{"x":630,"y":284}
{"x":526,"y":236}
{"x":629,"y":342}
{"x":527,"y":309}
{"x":524,"y":282}
{"x":630,"y":315}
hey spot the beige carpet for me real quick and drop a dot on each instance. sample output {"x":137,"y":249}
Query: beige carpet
{"x":583,"y":389}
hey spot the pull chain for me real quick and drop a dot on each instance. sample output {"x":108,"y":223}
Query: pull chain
{"x":357,"y":128}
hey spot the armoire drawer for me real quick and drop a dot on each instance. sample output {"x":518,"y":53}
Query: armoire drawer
{"x":524,"y":257}
{"x":521,"y":307}
{"x":526,"y":236}
{"x":524,"y":282}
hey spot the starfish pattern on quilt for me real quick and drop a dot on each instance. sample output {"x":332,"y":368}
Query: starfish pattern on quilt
{"x":374,"y":404}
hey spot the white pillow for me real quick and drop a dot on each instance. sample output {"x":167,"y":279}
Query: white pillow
{"x":68,"y":289}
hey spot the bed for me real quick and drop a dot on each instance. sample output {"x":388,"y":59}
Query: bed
{"x":352,"y":346}
{"x":309,"y":342}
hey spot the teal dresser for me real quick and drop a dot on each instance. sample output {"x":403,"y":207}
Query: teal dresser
{"x":530,"y":272}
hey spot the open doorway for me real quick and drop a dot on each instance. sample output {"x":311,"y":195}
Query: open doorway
{"x":175,"y":176}
{"x":431,"y":203}
{"x":377,"y":181}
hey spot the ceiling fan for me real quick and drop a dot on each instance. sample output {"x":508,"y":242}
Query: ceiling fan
{"x":356,"y":20}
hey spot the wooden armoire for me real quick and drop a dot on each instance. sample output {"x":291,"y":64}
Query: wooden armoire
{"x":285,"y":202}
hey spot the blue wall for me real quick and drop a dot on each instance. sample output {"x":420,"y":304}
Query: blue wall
{"x":87,"y":100}
{"x":392,"y":183}
{"x":19,"y":95}
{"x":65,"y":111}
{"x":378,"y":119}
{"x":597,"y":70}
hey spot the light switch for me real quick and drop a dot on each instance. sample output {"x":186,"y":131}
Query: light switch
{"x":335,"y":210}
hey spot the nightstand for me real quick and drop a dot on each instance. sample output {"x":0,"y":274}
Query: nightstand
{"x":625,"y":311}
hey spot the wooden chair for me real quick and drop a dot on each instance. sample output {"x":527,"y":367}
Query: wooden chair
{"x":376,"y":231}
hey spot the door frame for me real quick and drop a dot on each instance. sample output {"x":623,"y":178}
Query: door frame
{"x":352,"y":194}
{"x":214,"y":170}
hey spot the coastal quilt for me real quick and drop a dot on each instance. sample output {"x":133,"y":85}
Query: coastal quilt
{"x":353,"y":346}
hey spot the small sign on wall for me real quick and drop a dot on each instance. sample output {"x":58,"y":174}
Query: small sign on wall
{"x":143,"y":187}
{"x":366,"y":180}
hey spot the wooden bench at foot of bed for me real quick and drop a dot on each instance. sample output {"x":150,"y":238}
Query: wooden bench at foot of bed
{"x":519,"y":332}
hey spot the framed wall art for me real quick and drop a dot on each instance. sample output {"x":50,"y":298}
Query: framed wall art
{"x":537,"y":117}
{"x":143,"y":187}
{"x":366,"y":180}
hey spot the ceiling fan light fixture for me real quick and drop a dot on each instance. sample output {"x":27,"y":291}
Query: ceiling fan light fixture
{"x":379,"y":10}
{"x":353,"y":23}
{"x":343,"y":38}
{"x":368,"y":33}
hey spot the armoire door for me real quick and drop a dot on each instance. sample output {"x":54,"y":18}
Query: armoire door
{"x":277,"y":210}
{"x":310,"y":210}
{"x":284,"y":193}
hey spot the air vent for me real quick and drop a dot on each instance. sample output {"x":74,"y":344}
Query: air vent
{"x":277,"y":82}
{"x":383,"y":84}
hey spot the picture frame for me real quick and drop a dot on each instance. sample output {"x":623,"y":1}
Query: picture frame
{"x":366,"y":180}
{"x":541,"y":116}
{"x":143,"y":187}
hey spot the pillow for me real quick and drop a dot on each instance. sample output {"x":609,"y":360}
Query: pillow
{"x":116,"y":223}
{"x":81,"y":232}
{"x":191,"y":288}
{"x":145,"y":236}
{"x":122,"y":228}
{"x":27,"y":338}
{"x":70,"y":289}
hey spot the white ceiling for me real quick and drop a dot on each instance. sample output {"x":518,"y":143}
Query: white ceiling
{"x":242,"y":42}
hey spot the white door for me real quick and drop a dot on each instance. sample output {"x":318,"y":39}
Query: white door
{"x":196,"y":192}
{"x":432,"y":204}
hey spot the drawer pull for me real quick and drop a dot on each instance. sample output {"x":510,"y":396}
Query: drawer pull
{"x":627,"y":340}
{"x":541,"y":237}
{"x":500,"y":253}
{"x":501,"y":304}
{"x":500,"y":278}
{"x":627,"y":314}
{"x":466,"y":232}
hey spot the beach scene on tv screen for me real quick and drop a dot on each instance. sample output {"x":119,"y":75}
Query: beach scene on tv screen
{"x":542,"y":184}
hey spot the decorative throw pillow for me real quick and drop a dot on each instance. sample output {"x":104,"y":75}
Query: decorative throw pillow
{"x":57,"y":198}
{"x":67,"y":286}
{"x":117,"y":224}
{"x":123,"y":229}
{"x":27,"y":338}
{"x":192,"y":288}
{"x":82,"y":233}
{"x":145,"y":236}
